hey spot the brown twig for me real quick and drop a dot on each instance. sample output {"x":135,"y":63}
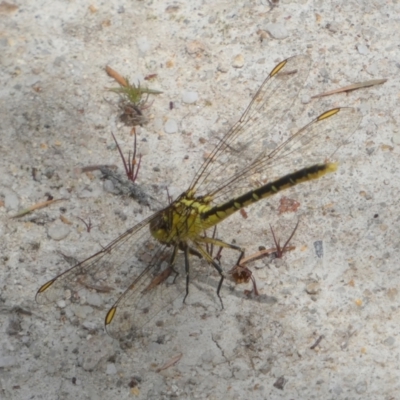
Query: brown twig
{"x":35,"y":207}
{"x":115,"y":75}
{"x":349,"y":88}
{"x":171,"y":362}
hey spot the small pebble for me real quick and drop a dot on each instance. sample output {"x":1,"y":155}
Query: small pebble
{"x":61,"y":303}
{"x":389,"y":341}
{"x":87,"y":193}
{"x":277,"y":31}
{"x":361,"y":387}
{"x":83,"y":311}
{"x":222,"y":68}
{"x":373,"y":69}
{"x":190,"y":97}
{"x":111,"y":369}
{"x":305,"y":99}
{"x":396,"y":137}
{"x":238,"y":61}
{"x":207,"y":356}
{"x":171,"y":126}
{"x":7,"y":361}
{"x":195,"y":47}
{"x":319,"y":248}
{"x":90,"y":326}
{"x":11,"y":200}
{"x":362,"y":49}
{"x":332,"y":26}
{"x":109,"y":187}
{"x":337,"y":389}
{"x":58,"y":231}
{"x":241,"y":374}
{"x":312,"y":288}
{"x":94,"y":299}
{"x":143,"y":45}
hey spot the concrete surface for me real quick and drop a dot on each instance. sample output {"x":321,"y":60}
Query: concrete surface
{"x":339,"y":286}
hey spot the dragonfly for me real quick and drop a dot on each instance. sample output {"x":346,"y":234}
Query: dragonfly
{"x":151,"y":263}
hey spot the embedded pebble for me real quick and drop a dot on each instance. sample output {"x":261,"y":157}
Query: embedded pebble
{"x":143,"y":45}
{"x":312,"y":288}
{"x":90,"y":326}
{"x":11,"y":200}
{"x":7,"y":361}
{"x":170,"y":126}
{"x":58,"y":231}
{"x":277,"y":31}
{"x":94,"y":299}
{"x":195,"y":47}
{"x":207,"y":356}
{"x":319,"y":248}
{"x":222,"y":68}
{"x":337,"y":389}
{"x":389,"y":341}
{"x":305,"y":99}
{"x":396,"y":137}
{"x":111,"y":369}
{"x":362,"y":49}
{"x":332,"y":26}
{"x":223,"y":372}
{"x":190,"y":97}
{"x":373,"y":69}
{"x":238,"y":61}
{"x":361,"y":387}
{"x":83,"y":311}
{"x":241,"y":374}
{"x":61,"y":304}
{"x":109,"y":187}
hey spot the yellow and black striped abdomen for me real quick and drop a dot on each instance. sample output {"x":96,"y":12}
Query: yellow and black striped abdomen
{"x":218,"y":213}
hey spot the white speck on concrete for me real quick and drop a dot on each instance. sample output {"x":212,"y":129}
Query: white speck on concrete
{"x":190,"y":97}
{"x":94,"y":299}
{"x":111,"y":369}
{"x":170,"y":126}
{"x":306,"y":99}
{"x":277,"y":30}
{"x":362,"y":49}
{"x":143,"y":45}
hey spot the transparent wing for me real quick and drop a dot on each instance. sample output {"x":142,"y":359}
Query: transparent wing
{"x":136,"y":269}
{"x":313,"y":144}
{"x":251,"y":152}
{"x":241,"y":145}
{"x":152,"y":291}
{"x":126,"y":256}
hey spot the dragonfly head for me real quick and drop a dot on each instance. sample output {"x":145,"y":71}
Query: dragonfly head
{"x":160,"y":227}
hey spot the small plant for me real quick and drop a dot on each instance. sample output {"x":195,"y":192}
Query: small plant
{"x":133,"y":99}
{"x":131,"y":165}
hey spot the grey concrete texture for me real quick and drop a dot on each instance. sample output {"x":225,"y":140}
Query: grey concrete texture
{"x":325,"y":325}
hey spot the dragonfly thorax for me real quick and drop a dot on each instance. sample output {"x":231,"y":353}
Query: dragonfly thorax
{"x":181,"y":221}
